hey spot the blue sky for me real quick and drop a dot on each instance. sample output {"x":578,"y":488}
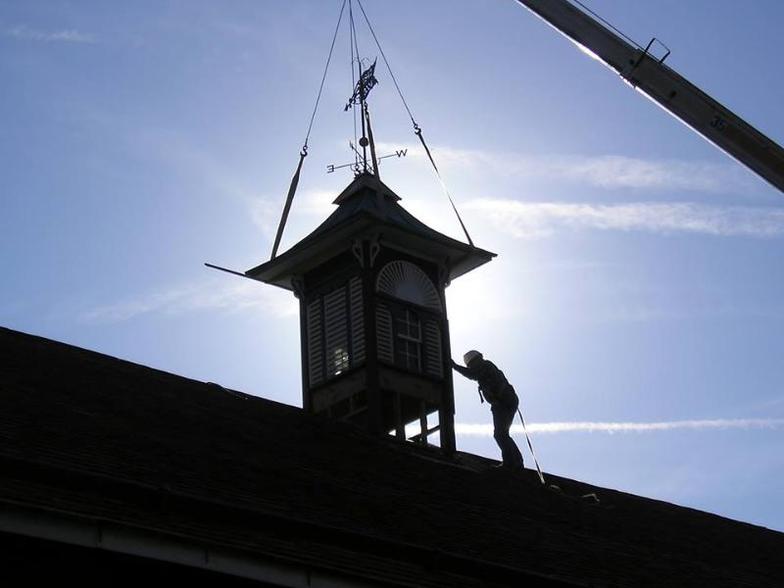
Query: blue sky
{"x":639,"y":277}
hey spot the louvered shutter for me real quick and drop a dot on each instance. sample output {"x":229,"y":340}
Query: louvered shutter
{"x":315,"y":345}
{"x":336,"y":331}
{"x":384,"y":339}
{"x":433,"y":357}
{"x":357,"y":324}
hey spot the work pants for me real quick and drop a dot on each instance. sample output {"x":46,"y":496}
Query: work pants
{"x":503,"y":415}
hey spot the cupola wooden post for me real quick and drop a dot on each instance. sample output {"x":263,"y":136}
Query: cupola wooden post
{"x":374,"y":330}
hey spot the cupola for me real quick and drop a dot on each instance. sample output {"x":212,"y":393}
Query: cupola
{"x":370,"y":281}
{"x":373,"y":320}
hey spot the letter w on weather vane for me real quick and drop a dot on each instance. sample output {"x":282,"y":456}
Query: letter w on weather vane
{"x":398,"y":153}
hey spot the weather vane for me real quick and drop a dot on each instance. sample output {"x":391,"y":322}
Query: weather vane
{"x":367,"y":81}
{"x":331,"y":168}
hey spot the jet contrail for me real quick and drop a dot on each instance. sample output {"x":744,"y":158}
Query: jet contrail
{"x":482,"y":430}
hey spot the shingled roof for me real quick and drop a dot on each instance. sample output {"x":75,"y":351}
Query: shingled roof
{"x":98,"y":440}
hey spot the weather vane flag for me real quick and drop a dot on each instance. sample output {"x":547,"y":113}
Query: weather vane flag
{"x":365,"y":84}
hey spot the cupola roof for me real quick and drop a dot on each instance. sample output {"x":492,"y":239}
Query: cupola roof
{"x":368,"y":208}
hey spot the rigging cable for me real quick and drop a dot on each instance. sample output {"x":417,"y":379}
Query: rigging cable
{"x":418,"y":133}
{"x":326,"y":68}
{"x":304,"y":152}
{"x":417,"y":128}
{"x":386,"y":62}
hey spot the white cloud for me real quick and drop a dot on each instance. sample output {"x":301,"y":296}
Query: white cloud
{"x":307,"y":211}
{"x":229,"y":295}
{"x":265,"y":214}
{"x":604,"y":171}
{"x":486,"y":430}
{"x":540,"y":219}
{"x":25,"y":33}
{"x":613,"y":171}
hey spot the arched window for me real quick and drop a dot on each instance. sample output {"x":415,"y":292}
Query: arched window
{"x":407,"y":337}
{"x":405,"y":281}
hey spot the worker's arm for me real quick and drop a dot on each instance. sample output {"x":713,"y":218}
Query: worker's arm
{"x":467,"y":372}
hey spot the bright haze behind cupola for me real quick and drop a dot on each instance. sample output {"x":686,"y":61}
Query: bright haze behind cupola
{"x":371,"y":282}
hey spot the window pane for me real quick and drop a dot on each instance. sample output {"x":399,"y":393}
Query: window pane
{"x":409,"y":340}
{"x":339,"y":361}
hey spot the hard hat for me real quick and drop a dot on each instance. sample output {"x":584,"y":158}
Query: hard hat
{"x":470,"y":356}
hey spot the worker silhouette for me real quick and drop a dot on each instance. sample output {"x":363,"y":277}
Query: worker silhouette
{"x":503,"y":400}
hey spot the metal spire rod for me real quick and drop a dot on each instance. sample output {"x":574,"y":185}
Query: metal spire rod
{"x":360,"y":90}
{"x":371,"y":141}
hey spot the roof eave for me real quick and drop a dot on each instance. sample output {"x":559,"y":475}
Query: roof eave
{"x":308,"y":254}
{"x":458,"y":258}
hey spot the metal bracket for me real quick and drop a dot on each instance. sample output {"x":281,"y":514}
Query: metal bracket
{"x":648,"y":47}
{"x":443,"y":273}
{"x":356,"y":251}
{"x":375,"y":248}
{"x":298,"y":285}
{"x":627,"y":71}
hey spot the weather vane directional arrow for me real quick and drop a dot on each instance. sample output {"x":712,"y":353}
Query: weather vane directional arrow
{"x":356,"y":165}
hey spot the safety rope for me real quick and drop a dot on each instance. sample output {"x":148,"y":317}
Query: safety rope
{"x":531,"y":447}
{"x":417,"y":129}
{"x":304,"y":151}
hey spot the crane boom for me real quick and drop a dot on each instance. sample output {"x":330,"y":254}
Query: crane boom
{"x":665,"y":86}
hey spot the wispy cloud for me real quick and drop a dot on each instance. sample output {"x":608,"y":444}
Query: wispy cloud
{"x":541,"y":219}
{"x":486,"y":430}
{"x":26,"y":33}
{"x":265,"y":214}
{"x":265,"y":211}
{"x":604,"y":171}
{"x":229,"y":295}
